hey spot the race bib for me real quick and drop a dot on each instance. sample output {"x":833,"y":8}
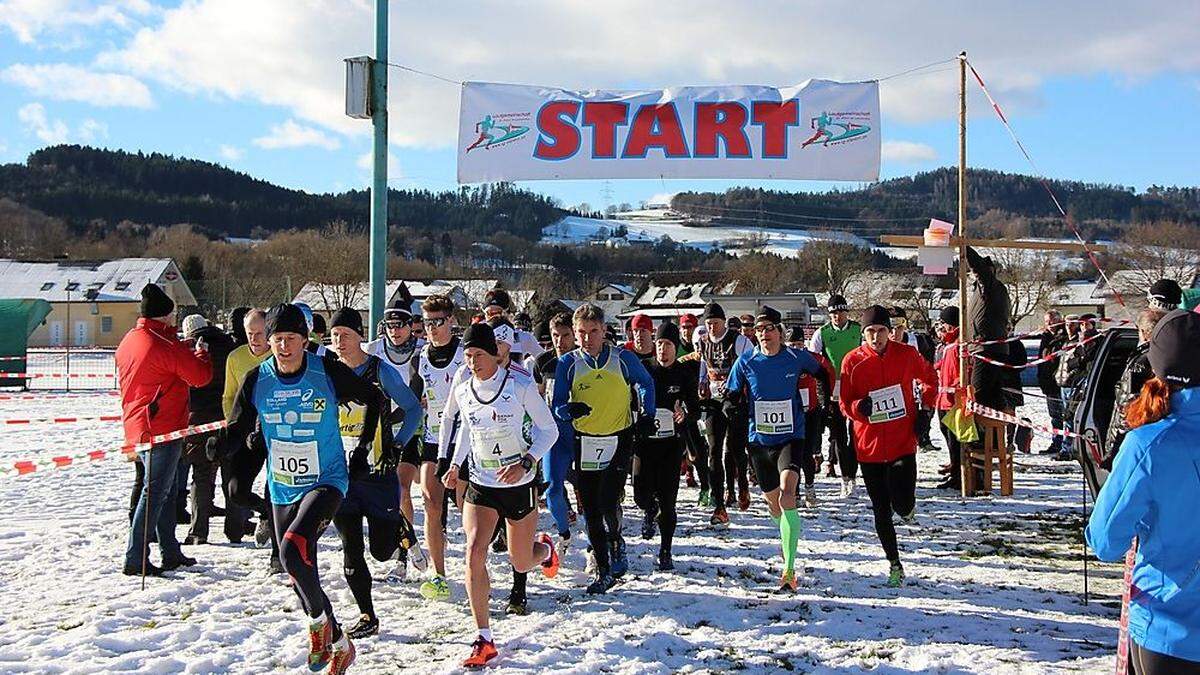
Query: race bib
{"x":773,"y":417}
{"x":496,"y":448}
{"x":664,"y":423}
{"x":294,"y":464}
{"x":434,"y":422}
{"x":887,"y":404}
{"x":804,"y":398}
{"x":596,"y":452}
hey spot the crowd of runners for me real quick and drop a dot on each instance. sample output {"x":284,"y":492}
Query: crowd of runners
{"x":487,"y":425}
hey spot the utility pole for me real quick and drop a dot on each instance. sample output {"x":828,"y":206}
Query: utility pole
{"x":379,"y":201}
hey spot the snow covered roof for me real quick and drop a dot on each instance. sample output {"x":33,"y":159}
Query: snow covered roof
{"x":323,"y":297}
{"x":1075,"y":292}
{"x":673,"y":295}
{"x":118,"y":280}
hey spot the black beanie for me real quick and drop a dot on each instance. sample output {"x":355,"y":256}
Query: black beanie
{"x":796,"y":334}
{"x":498,"y":297}
{"x":714,"y":311}
{"x":1173,"y":346}
{"x":1165,"y":294}
{"x":481,"y":336}
{"x":398,"y":310}
{"x":668,"y":331}
{"x":837,"y":303}
{"x":155,"y":302}
{"x":734,"y":323}
{"x":319,"y":324}
{"x":346,"y":317}
{"x":949,"y":315}
{"x":286,"y":318}
{"x":768,"y":314}
{"x":876,"y":315}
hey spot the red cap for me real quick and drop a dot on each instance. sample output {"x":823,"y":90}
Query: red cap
{"x":642,"y":322}
{"x":688,"y":320}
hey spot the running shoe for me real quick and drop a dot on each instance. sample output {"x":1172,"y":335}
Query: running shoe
{"x":600,"y":583}
{"x":720,"y":518}
{"x":787,"y":583}
{"x":366,"y":627}
{"x":176,"y":562}
{"x":649,"y":528}
{"x":482,"y":651}
{"x":848,"y":485}
{"x":620,"y":563}
{"x":276,"y":567}
{"x":343,"y":656}
{"x":436,"y":588}
{"x":549,"y":565}
{"x":262,"y":533}
{"x":831,"y":473}
{"x":911,"y":517}
{"x":705,"y":498}
{"x":399,"y":573}
{"x":518,"y":605}
{"x":810,"y":496}
{"x":563,"y":545}
{"x":896,"y":575}
{"x":572,"y":517}
{"x":152,"y":570}
{"x":665,"y":564}
{"x":320,"y":645}
{"x":589,"y":567}
{"x":743,"y":499}
{"x":730,"y":498}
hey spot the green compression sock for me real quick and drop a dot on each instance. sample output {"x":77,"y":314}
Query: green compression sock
{"x":789,"y":535}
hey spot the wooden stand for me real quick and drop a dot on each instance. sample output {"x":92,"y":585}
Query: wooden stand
{"x":982,"y":457}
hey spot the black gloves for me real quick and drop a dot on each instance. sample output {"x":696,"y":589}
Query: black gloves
{"x":646,"y":427}
{"x":213,"y":449}
{"x":577,"y":409}
{"x":358,"y":465}
{"x":864,"y":406}
{"x":389,"y":459}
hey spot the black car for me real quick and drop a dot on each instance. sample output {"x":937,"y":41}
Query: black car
{"x":1091,"y":405}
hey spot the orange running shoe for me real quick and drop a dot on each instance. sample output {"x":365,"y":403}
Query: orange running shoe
{"x":342,"y":657}
{"x":549,"y":565}
{"x":320,"y":645}
{"x":482,"y":651}
{"x":788,"y":583}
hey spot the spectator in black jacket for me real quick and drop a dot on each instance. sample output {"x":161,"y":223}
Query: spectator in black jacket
{"x":1129,"y":385}
{"x":204,"y":406}
{"x":1017,"y":357}
{"x":989,"y":307}
{"x":1052,"y":339}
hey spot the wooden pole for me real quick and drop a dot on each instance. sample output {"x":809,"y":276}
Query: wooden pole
{"x":964,"y":322}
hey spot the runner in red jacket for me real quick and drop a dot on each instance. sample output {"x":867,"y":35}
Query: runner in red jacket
{"x":880,"y":381}
{"x":155,"y":371}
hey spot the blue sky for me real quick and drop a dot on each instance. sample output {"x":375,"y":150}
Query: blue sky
{"x":1097,"y":92}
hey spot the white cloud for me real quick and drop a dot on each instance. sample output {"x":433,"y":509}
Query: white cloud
{"x":65,"y":82}
{"x":33,"y":117}
{"x":67,"y":20}
{"x":90,"y":131}
{"x":231,"y":153}
{"x":661,"y":198}
{"x":293,"y":135}
{"x":366,"y":162}
{"x":908,"y":152}
{"x":289,"y":54}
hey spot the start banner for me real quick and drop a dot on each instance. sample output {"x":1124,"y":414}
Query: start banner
{"x":819,"y":130}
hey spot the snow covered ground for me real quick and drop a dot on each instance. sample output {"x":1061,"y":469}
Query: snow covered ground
{"x":785,"y":242}
{"x":995,"y":585}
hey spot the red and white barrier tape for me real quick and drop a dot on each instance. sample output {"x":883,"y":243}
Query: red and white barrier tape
{"x":1037,"y":362}
{"x":60,"y":420}
{"x":992,"y":413}
{"x":33,"y":376}
{"x":1126,"y":594}
{"x":31,"y":465}
{"x":55,"y":396}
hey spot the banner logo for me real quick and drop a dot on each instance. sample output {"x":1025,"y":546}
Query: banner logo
{"x":837,"y":127}
{"x":501,"y":130}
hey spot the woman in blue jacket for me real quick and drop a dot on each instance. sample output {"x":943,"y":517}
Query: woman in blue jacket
{"x":1151,"y":494}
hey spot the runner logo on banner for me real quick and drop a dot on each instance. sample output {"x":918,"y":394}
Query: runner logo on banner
{"x":819,"y":130}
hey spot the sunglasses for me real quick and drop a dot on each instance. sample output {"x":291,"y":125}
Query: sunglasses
{"x":436,"y":321}
{"x":393,"y":325}
{"x":765,"y":328}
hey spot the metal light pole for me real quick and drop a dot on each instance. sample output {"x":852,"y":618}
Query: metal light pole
{"x":379,"y":205}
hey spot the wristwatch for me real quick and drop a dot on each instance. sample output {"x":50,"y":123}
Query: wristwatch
{"x":527,"y":463}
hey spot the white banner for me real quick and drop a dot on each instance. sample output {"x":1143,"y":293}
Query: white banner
{"x":819,"y":130}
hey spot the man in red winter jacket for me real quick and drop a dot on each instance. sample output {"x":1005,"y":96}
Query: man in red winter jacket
{"x":880,"y":382}
{"x":155,"y":371}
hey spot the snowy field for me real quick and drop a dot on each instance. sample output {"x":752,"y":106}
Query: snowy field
{"x":995,"y":585}
{"x":785,"y":242}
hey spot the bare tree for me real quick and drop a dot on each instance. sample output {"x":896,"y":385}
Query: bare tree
{"x":1030,"y":275}
{"x":1159,"y":250}
{"x":27,"y":233}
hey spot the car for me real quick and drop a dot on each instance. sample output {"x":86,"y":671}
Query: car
{"x":1091,"y":407}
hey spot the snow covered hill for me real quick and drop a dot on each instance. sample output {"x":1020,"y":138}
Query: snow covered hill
{"x":995,"y":586}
